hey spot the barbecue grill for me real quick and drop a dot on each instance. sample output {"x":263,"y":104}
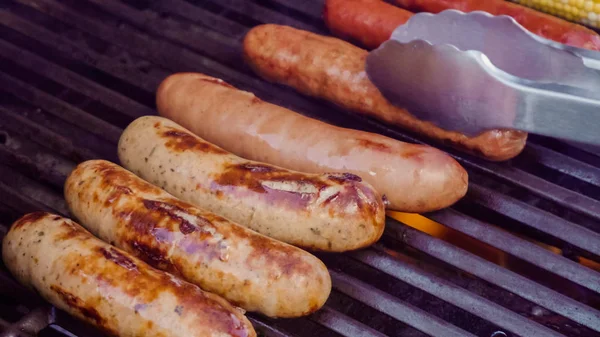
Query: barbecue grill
{"x":519,"y":256}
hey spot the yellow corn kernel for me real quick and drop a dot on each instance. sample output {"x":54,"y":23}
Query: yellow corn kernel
{"x":581,"y":11}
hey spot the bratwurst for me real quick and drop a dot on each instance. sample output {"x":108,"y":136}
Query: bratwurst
{"x":250,"y":270}
{"x":110,"y":288}
{"x":334,"y":70}
{"x":331,"y":212}
{"x":414,"y":178}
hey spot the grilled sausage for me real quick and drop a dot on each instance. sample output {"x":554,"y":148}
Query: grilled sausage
{"x":330,"y":212}
{"x":269,"y":133}
{"x":539,"y":23}
{"x":370,"y":22}
{"x":334,"y":70}
{"x":109,"y":288}
{"x":251,"y":270}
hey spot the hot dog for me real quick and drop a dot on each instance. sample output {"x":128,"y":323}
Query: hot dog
{"x":334,"y":70}
{"x":250,"y":270}
{"x":539,"y":23}
{"x":330,"y":212}
{"x":269,"y":133}
{"x":370,"y":22}
{"x":110,"y":288}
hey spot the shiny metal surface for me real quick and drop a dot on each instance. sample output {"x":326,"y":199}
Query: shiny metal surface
{"x":453,"y":69}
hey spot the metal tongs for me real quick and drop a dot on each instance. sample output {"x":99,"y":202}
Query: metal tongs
{"x":471,"y":72}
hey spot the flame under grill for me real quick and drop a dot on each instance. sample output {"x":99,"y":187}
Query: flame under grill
{"x":74,"y":73}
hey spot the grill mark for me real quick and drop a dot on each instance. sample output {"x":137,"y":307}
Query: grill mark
{"x":30,"y":218}
{"x":345,"y":177}
{"x":185,"y":227}
{"x":76,"y":303}
{"x":152,"y":255}
{"x":180,"y":141}
{"x":374,"y":145}
{"x":206,"y":241}
{"x":118,"y":258}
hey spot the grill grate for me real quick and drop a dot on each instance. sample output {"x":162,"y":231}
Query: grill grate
{"x":73,"y":73}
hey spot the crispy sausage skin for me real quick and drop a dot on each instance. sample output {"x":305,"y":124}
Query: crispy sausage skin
{"x":109,"y":288}
{"x":329,"y":212}
{"x":249,"y":269}
{"x":414,"y":178}
{"x":369,"y":22}
{"x":539,"y":23}
{"x":334,"y":70}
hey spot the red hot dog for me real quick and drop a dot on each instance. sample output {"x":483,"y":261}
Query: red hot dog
{"x":539,"y":23}
{"x":369,"y":22}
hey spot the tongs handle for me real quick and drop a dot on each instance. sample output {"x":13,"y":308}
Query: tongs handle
{"x":554,"y":113}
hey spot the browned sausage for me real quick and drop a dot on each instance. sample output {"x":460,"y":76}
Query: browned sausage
{"x":415,"y":178}
{"x":370,"y":22}
{"x":330,"y":212}
{"x":249,"y":269}
{"x":110,"y":288}
{"x":539,"y":23}
{"x":334,"y":70}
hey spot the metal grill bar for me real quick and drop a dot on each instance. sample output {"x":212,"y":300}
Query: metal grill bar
{"x":343,"y":324}
{"x":389,"y":305}
{"x":199,"y":16}
{"x":530,"y":216}
{"x":494,"y":274}
{"x":146,"y":81}
{"x":520,"y":248}
{"x":59,"y":108}
{"x":73,"y":81}
{"x":451,"y":293}
{"x":43,"y":136}
{"x":258,"y":13}
{"x":564,"y":164}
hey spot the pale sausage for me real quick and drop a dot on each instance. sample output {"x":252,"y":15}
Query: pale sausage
{"x":414,"y":178}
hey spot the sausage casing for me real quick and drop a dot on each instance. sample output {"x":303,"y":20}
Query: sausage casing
{"x":334,"y":70}
{"x":330,"y":212}
{"x":251,"y":270}
{"x":370,"y":22}
{"x":109,"y":288}
{"x":414,"y":178}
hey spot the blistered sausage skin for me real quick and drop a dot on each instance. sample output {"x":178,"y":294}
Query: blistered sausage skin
{"x":334,"y":70}
{"x":329,"y":212}
{"x":370,"y":22}
{"x":110,"y":288}
{"x":414,"y":178}
{"x":250,"y":270}
{"x":539,"y":23}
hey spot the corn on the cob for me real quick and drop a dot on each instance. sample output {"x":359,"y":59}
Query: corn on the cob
{"x":586,"y":12}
